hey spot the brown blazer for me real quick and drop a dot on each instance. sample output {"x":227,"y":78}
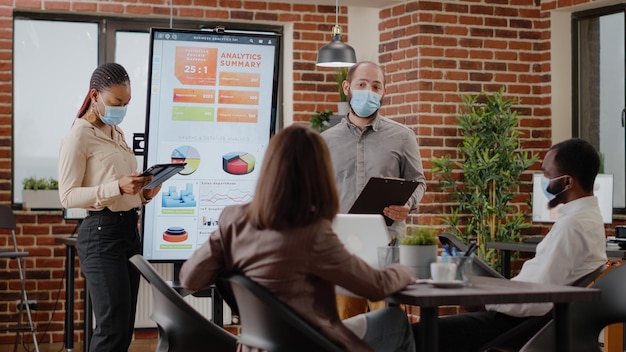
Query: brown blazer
{"x":300,"y":266}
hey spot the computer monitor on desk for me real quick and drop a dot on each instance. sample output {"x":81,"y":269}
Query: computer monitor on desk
{"x":603,"y":189}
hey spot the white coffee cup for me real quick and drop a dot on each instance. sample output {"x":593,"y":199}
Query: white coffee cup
{"x":443,"y":272}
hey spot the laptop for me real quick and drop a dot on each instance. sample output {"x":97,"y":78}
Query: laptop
{"x":362,"y":234}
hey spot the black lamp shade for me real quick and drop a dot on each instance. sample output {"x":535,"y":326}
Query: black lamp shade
{"x":336,"y":54}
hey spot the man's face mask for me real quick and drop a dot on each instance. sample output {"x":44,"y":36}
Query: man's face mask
{"x":364,"y":102}
{"x":556,"y":189}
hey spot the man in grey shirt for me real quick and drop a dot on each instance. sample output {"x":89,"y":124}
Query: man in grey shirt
{"x":365,"y":144}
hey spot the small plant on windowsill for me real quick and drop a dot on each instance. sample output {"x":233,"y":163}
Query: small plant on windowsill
{"x":40,"y":183}
{"x":321,"y":120}
{"x":40,"y":193}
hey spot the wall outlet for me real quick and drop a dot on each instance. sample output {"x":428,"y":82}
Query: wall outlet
{"x":31,"y":304}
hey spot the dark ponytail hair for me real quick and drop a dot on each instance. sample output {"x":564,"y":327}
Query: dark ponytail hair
{"x":103,"y":77}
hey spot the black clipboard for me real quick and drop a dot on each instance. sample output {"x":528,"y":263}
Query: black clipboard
{"x":380,"y":192}
{"x":162,"y":172}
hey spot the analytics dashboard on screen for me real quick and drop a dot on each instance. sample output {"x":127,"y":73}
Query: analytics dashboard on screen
{"x":212,"y":104}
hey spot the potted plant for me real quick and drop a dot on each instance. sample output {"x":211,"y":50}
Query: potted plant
{"x":418,"y":249}
{"x":40,"y":193}
{"x":486,"y":177}
{"x":320,"y":121}
{"x":340,"y":75}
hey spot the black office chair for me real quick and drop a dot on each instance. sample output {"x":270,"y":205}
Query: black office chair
{"x":479,"y":267}
{"x":587,"y":319}
{"x":7,"y":221}
{"x":267,"y":323}
{"x":181,"y":328}
{"x":514,"y":339}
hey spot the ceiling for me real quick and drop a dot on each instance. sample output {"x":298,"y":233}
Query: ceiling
{"x":359,"y":3}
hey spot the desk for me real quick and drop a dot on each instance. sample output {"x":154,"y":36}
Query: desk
{"x":487,"y":290}
{"x":70,"y":257}
{"x":507,"y":248}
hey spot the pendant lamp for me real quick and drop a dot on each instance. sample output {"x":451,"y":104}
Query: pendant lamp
{"x":336,"y":53}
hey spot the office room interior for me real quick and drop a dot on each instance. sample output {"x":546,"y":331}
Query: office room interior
{"x":432,"y":52}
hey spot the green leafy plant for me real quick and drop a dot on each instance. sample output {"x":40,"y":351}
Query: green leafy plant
{"x":340,"y":75}
{"x":40,"y":183}
{"x":419,"y":236}
{"x":320,"y":121}
{"x":485,"y":179}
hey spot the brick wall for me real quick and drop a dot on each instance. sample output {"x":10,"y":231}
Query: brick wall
{"x":431,"y":51}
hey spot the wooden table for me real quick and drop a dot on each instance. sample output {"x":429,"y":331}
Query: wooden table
{"x":507,"y":248}
{"x":486,"y":290}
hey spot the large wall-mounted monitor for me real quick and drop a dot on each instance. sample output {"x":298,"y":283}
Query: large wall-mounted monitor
{"x":603,"y":189}
{"x":212,"y":102}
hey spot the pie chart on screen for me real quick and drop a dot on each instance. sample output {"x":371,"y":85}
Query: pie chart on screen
{"x":238,"y":163}
{"x":186,"y":154}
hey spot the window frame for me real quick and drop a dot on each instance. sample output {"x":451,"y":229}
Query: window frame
{"x":576,"y":17}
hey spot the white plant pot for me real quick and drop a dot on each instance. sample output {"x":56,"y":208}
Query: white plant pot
{"x":342,"y":108}
{"x":41,"y":199}
{"x":418,"y":259}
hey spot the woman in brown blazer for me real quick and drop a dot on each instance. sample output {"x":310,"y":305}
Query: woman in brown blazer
{"x":284,"y":241}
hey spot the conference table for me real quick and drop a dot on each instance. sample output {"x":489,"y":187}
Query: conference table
{"x":487,"y":290}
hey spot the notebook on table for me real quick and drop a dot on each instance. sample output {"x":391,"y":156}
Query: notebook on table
{"x":362,"y":234}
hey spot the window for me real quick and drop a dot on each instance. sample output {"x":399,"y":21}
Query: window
{"x":599,"y":89}
{"x":53,"y":58}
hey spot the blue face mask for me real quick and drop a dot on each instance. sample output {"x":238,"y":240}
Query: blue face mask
{"x":553,"y":193}
{"x":113,"y":115}
{"x":364,"y":102}
{"x":547,"y":182}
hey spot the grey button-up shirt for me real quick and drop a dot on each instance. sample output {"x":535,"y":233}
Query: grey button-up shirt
{"x":384,"y":148}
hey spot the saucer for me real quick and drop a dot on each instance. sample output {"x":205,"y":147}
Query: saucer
{"x":447,"y":284}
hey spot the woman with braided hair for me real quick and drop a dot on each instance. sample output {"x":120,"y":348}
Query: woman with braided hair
{"x":98,"y":172}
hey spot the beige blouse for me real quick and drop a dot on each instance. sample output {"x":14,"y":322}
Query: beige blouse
{"x":300,"y":266}
{"x":90,"y":164}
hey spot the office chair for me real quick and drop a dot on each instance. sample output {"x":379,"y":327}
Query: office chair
{"x":267,"y":323}
{"x":587,"y":319}
{"x":181,"y":328}
{"x":514,"y":339}
{"x":7,"y":221}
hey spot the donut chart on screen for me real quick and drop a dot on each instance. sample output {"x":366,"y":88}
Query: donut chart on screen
{"x":187,"y":154}
{"x":175,"y":234}
{"x":238,"y":163}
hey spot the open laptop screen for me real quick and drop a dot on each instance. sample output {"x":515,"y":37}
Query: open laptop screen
{"x":362,"y":234}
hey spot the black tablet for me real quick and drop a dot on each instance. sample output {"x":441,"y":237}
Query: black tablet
{"x":162,"y":172}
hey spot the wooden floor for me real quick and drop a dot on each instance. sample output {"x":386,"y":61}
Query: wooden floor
{"x":145,"y":340}
{"x":138,"y":345}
